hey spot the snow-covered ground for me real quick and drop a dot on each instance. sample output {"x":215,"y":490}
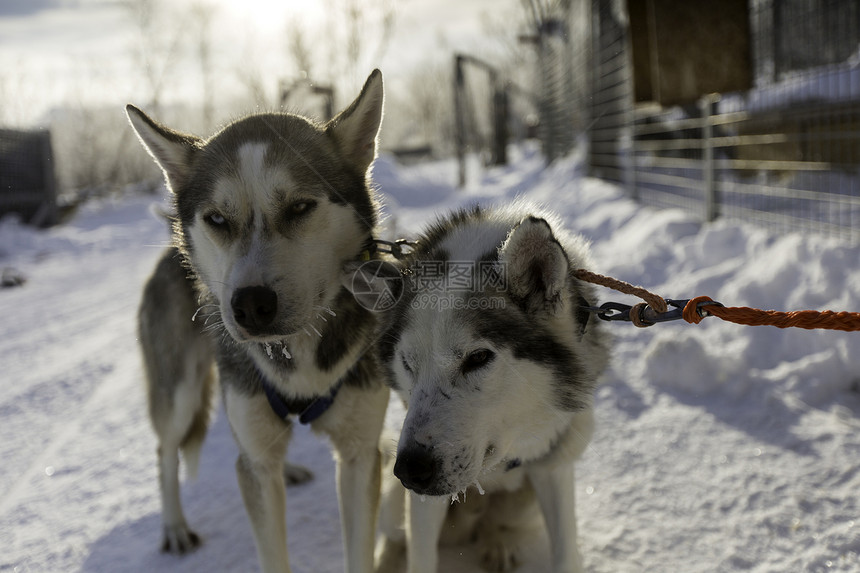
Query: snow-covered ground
{"x":719,"y":447}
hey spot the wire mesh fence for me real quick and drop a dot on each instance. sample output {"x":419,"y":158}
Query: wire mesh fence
{"x":490,"y":110}
{"x":611,"y":95}
{"x":783,"y":152}
{"x":556,"y":89}
{"x":553,"y":107}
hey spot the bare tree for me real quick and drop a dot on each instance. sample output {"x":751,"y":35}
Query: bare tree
{"x":299,"y":48}
{"x":202,"y":13}
{"x":18,"y":92}
{"x":250,"y":75}
{"x":5,"y":97}
{"x":429,"y":105}
{"x":155,"y":46}
{"x":358,"y":33}
{"x":366,"y":28}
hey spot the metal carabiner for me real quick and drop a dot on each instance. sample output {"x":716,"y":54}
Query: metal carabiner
{"x":615,"y":311}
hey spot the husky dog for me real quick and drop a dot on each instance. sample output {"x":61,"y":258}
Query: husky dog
{"x":490,"y":347}
{"x":268,"y":212}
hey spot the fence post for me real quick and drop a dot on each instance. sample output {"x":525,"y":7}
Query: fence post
{"x":631,"y":166}
{"x":48,"y":211}
{"x":459,"y":120}
{"x":708,"y":106}
{"x":500,"y":124}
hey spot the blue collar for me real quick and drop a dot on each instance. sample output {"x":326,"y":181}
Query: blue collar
{"x":307,"y":409}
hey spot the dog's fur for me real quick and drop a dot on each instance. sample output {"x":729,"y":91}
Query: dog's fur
{"x":269,"y":210}
{"x":498,"y":380}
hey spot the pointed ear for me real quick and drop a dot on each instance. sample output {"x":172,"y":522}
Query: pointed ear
{"x":171,"y":150}
{"x":356,"y":128}
{"x":377,"y":285}
{"x":536,"y":266}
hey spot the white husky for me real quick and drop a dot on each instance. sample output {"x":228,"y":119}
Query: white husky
{"x":269,"y":210}
{"x":491,"y":349}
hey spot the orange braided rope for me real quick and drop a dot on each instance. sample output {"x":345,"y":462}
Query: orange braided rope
{"x":654,"y":301}
{"x":808,"y":319}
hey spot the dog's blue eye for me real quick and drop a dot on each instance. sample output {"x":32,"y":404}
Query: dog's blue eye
{"x":476,"y":360}
{"x":216,"y":220}
{"x":300,"y":208}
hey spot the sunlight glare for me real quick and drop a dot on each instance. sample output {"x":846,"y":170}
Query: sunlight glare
{"x":272,"y":15}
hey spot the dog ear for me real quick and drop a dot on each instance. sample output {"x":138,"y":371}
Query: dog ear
{"x":536,"y":266}
{"x":356,"y":128}
{"x":377,"y":285}
{"x":171,"y":150}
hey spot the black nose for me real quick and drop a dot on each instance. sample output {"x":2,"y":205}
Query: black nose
{"x":417,"y":468}
{"x":254,"y":308}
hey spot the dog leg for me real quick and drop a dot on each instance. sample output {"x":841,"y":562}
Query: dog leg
{"x":178,"y":538}
{"x":354,"y":424}
{"x":262,"y":439}
{"x":391,"y":545}
{"x":358,"y":493}
{"x":426,"y":517}
{"x":182,"y":424}
{"x":554,"y":488}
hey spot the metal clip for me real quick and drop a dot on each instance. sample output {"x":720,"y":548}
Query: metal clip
{"x":395,"y":248}
{"x":614,"y":311}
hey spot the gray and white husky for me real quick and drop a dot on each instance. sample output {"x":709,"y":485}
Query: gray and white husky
{"x":491,"y":349}
{"x":268,"y":212}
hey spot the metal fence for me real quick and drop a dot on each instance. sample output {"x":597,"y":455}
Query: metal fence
{"x":611,"y":99}
{"x":560,"y":42}
{"x":556,"y":90}
{"x":27,"y":184}
{"x":785,"y":152}
{"x":490,"y":110}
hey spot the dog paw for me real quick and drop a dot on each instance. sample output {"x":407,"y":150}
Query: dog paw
{"x":178,"y":539}
{"x":296,"y":475}
{"x":499,"y":558}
